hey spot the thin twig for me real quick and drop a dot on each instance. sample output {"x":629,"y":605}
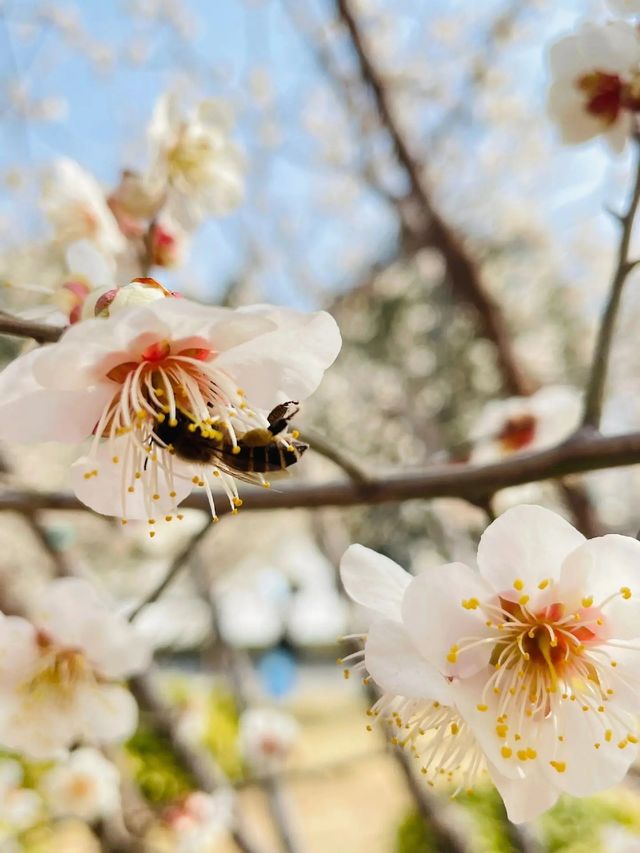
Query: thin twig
{"x":177,"y":564}
{"x":595,"y":387}
{"x":198,"y":763}
{"x":329,"y":450}
{"x":40,"y":332}
{"x":461,"y":269}
{"x":271,"y":785}
{"x":586,"y":451}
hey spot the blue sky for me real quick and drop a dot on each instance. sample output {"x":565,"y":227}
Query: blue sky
{"x":108,"y":111}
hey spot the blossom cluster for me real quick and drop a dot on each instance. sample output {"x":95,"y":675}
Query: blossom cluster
{"x":525,"y":668}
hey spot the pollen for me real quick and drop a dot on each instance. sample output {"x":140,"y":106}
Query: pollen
{"x":559,"y":766}
{"x":518,"y":584}
{"x":470,"y":603}
{"x":482,"y":707}
{"x":235,"y":450}
{"x":625,"y":592}
{"x":587,"y":601}
{"x":544,"y":584}
{"x":524,"y":599}
{"x":455,"y":728}
{"x":452,"y":657}
{"x":506,"y":752}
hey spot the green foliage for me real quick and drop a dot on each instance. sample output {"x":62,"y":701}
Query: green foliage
{"x":572,"y":826}
{"x":160,"y":777}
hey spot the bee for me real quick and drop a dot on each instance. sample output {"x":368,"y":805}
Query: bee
{"x":258,"y":451}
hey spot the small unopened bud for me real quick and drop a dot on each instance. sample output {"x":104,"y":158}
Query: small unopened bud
{"x":139,"y":292}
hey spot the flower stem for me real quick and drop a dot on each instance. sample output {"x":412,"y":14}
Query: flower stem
{"x":599,"y":368}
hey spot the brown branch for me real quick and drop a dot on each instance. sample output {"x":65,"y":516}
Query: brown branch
{"x":40,"y":332}
{"x":177,"y":564}
{"x":595,"y":387}
{"x":434,"y":231}
{"x":475,"y":483}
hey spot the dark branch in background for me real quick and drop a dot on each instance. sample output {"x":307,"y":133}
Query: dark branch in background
{"x":432,"y":230}
{"x":176,"y":565}
{"x":473,"y":483}
{"x":599,"y":368}
{"x":199,"y":764}
{"x":40,"y":332}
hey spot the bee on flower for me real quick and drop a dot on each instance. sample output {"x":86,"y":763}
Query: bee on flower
{"x":172,"y":395}
{"x":60,"y":673}
{"x":595,"y":87}
{"x":526,"y":667}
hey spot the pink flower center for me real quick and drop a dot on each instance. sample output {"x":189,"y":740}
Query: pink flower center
{"x":604,"y":94}
{"x":517,"y":433}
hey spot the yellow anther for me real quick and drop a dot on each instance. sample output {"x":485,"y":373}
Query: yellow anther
{"x":235,"y":450}
{"x":623,"y":744}
{"x":160,"y":417}
{"x":179,"y":516}
{"x":587,"y":601}
{"x":596,"y":746}
{"x":632,"y":739}
{"x":295,"y":433}
{"x":195,"y":480}
{"x":625,"y":592}
{"x":192,"y":427}
{"x":522,"y":754}
{"x":608,"y":735}
{"x":369,"y":728}
{"x":544,"y":584}
{"x":470,"y":603}
{"x":601,"y":709}
{"x":123,"y":521}
{"x":152,"y":533}
{"x":138,"y":475}
{"x":455,"y":728}
{"x":531,"y":753}
{"x":505,"y":752}
{"x":168,"y":518}
{"x":452,"y":657}
{"x":152,"y":521}
{"x":237,"y":501}
{"x":518,"y":584}
{"x":173,"y":422}
{"x":559,"y":766}
{"x":172,"y":494}
{"x":346,"y":673}
{"x":115,"y":459}
{"x":524,"y":599}
{"x":155,"y":497}
{"x":482,"y":707}
{"x":614,"y":663}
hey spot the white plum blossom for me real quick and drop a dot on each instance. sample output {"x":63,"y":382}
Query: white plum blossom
{"x":20,"y":807}
{"x":595,"y":87}
{"x":86,"y":785}
{"x":194,"y":157}
{"x":628,"y":8}
{"x":200,"y":821}
{"x":166,"y":390}
{"x":522,"y":424}
{"x":538,"y":649}
{"x":175,"y":622}
{"x":76,"y":206}
{"x":266,"y":737}
{"x":60,"y":672}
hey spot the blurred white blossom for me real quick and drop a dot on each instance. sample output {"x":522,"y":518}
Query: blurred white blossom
{"x":85,"y":785}
{"x":266,"y":737}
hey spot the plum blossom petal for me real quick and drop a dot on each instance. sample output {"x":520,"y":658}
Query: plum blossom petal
{"x":628,"y":8}
{"x":373,"y":580}
{"x":73,"y":613}
{"x":31,"y":413}
{"x":105,"y":714}
{"x":524,"y":798}
{"x":607,"y":569}
{"x":440,"y":606}
{"x":397,"y":667}
{"x":584,"y":754}
{"x":526,"y":544}
{"x":288,"y":363}
{"x":98,"y":482}
{"x":86,"y":785}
